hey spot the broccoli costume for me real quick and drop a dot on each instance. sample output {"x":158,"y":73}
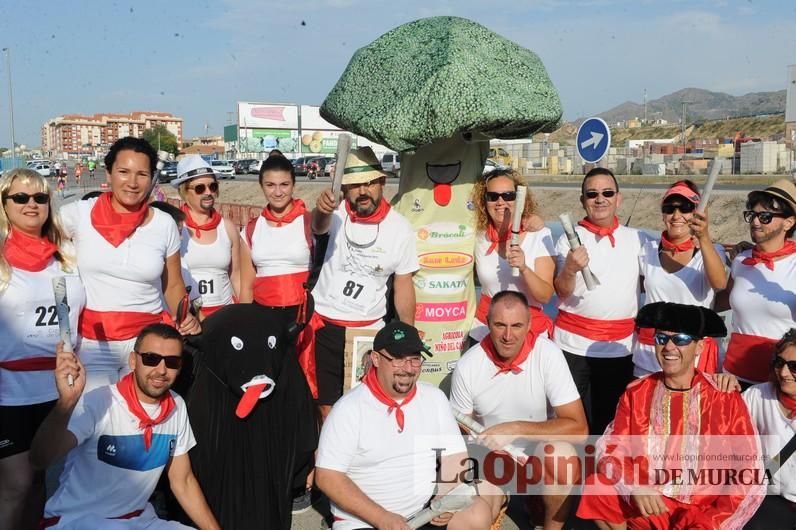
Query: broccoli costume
{"x":438,"y":89}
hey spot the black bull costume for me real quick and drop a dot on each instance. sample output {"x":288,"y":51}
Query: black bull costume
{"x":253,"y":453}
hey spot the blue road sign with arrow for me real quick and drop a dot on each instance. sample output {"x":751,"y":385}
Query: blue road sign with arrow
{"x":593,"y":140}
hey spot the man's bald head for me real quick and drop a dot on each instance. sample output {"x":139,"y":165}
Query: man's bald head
{"x":507,"y":300}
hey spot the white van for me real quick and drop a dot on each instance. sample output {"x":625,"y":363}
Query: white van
{"x":391,"y":162}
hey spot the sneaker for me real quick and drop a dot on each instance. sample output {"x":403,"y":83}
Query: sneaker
{"x":302,"y":503}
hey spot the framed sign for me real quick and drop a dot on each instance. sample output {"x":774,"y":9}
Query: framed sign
{"x":356,"y":359}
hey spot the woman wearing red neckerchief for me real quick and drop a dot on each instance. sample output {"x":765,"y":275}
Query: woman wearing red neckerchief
{"x":684,"y":267}
{"x":494,"y":198}
{"x":760,"y":290}
{"x":772,"y":406}
{"x":129,"y":257}
{"x":210,"y":246}
{"x":31,"y":239}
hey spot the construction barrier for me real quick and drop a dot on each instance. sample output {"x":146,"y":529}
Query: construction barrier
{"x":240,"y":214}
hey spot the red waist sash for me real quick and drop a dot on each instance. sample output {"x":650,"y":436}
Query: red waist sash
{"x":283,"y":290}
{"x":540,"y":322}
{"x":708,"y":361}
{"x":748,"y":356}
{"x":595,"y":329}
{"x":31,"y":364}
{"x":47,"y":522}
{"x":114,"y":325}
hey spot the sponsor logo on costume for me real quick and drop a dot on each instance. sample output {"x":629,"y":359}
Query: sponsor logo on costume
{"x":431,"y":368}
{"x":444,"y":260}
{"x":417,"y":206}
{"x":451,"y":365}
{"x":444,"y":233}
{"x":442,"y":284}
{"x":441,"y":312}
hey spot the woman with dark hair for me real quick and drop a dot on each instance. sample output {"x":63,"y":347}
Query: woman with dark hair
{"x":760,"y":291}
{"x":772,"y":406}
{"x":128,"y":256}
{"x":33,"y":253}
{"x":684,"y":266}
{"x":494,"y":198}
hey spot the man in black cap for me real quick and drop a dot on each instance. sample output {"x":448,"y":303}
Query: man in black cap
{"x":377,"y":454}
{"x":681,"y":428}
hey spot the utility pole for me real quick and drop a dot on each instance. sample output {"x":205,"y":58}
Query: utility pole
{"x":11,"y":107}
{"x":682,"y":127}
{"x":645,"y":106}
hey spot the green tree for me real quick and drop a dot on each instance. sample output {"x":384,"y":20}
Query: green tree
{"x":159,"y":137}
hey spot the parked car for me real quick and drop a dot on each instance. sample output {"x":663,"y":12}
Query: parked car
{"x":42,"y":168}
{"x":500,"y":156}
{"x":242,"y":166}
{"x":391,"y":163}
{"x":223,"y":168}
{"x":168,"y":172}
{"x":491,"y":165}
{"x":300,"y":165}
{"x":254,"y":167}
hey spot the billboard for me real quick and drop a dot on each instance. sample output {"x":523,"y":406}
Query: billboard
{"x":267,"y":116}
{"x":311,"y":119}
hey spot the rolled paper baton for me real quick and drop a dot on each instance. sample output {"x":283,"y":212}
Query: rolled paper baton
{"x":589,"y":279}
{"x":62,"y":311}
{"x":516,"y":223}
{"x":343,"y":148}
{"x":713,"y":174}
{"x":456,"y":500}
{"x":473,"y":426}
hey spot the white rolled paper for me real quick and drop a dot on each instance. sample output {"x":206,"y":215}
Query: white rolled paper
{"x":343,"y":148}
{"x":457,"y":499}
{"x":62,"y":311}
{"x":516,"y":222}
{"x":589,"y":279}
{"x":474,"y":427}
{"x":713,"y":174}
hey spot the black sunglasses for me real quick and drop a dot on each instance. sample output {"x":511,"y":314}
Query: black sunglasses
{"x":174,"y":362}
{"x":24,"y":198}
{"x":685,"y":207}
{"x":779,"y":362}
{"x":679,"y":339}
{"x":605,"y":193}
{"x":764,"y":217}
{"x":508,"y":196}
{"x":200,"y":188}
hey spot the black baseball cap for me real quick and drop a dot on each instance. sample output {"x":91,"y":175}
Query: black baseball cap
{"x":399,"y":340}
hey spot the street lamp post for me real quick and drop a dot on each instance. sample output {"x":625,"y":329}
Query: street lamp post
{"x":11,"y":106}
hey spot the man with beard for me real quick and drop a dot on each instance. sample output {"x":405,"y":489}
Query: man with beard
{"x":119,"y":439}
{"x":760,"y":290}
{"x":368,"y":242}
{"x":378,"y":450}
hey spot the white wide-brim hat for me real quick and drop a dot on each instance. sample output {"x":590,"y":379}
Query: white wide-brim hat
{"x":190,"y":167}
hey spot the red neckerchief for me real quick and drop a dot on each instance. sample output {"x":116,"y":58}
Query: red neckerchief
{"x":115,"y":227}
{"x":372,"y":382}
{"x":126,"y":388}
{"x":495,"y":238}
{"x":512,"y":366}
{"x":375,"y":218}
{"x":297,"y":211}
{"x":758,"y":256}
{"x":215,"y":220}
{"x":789,"y":403}
{"x":28,"y":253}
{"x":601,"y":230}
{"x":685,"y":246}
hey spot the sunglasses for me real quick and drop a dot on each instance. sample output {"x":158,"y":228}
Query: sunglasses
{"x":679,"y":339}
{"x":763,"y":217}
{"x":508,"y":196}
{"x":24,"y":198}
{"x":173,"y":362}
{"x":686,"y":207}
{"x":414,"y":362}
{"x":605,"y":193}
{"x":200,"y":188}
{"x":779,"y":362}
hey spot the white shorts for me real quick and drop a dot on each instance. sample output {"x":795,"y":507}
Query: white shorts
{"x":146,"y":521}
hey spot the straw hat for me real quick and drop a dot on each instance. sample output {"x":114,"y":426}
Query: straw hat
{"x":362,"y":166}
{"x":785,"y":190}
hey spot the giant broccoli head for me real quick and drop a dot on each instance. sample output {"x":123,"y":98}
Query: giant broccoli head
{"x":438,"y":77}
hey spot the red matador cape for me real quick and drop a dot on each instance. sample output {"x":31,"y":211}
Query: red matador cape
{"x":678,"y":430}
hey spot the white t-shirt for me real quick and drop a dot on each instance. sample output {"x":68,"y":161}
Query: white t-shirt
{"x":394,"y":469}
{"x":545,"y":382}
{"x":110,"y":473}
{"x":279,"y":250}
{"x":359,"y":260}
{"x":29,"y":328}
{"x":689,"y":285}
{"x":127,"y":277}
{"x":209,"y":266}
{"x":494,"y":272}
{"x":775,"y":430}
{"x":617,"y":296}
{"x":763,"y":301}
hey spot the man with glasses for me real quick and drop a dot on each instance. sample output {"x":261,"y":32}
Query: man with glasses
{"x":595,"y":328}
{"x":368,"y":242}
{"x":119,"y":438}
{"x":517,"y":384}
{"x":760,"y":289}
{"x":378,"y":450}
{"x":672,"y":429}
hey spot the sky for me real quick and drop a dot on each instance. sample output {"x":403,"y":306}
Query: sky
{"x":197,"y":58}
